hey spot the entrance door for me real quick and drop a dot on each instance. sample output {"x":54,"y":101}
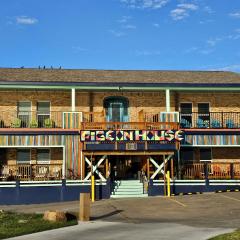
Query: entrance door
{"x":126,"y":167}
{"x":116,"y":112}
{"x":116,"y":109}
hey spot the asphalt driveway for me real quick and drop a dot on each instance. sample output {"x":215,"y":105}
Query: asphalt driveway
{"x":180,"y":217}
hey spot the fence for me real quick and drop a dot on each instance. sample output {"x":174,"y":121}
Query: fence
{"x":210,"y":120}
{"x":211,"y":171}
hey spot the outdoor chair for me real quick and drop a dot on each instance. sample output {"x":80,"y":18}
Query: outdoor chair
{"x":185,"y":123}
{"x":230,"y":123}
{"x":215,"y":123}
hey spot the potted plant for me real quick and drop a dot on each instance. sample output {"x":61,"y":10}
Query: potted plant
{"x":48,"y":123}
{"x":33,"y":123}
{"x":16,"y":123}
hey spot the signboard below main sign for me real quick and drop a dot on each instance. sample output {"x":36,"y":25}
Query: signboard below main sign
{"x":131,"y":135}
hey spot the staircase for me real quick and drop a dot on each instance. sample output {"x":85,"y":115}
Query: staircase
{"x":128,"y":189}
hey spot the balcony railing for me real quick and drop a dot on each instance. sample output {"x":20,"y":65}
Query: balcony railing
{"x":31,"y":119}
{"x":210,"y":120}
{"x":97,"y":120}
{"x":211,"y":171}
{"x":31,"y":172}
{"x":129,"y":125}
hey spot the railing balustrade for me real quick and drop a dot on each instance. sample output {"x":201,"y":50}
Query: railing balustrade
{"x":32,"y":172}
{"x":129,"y":125}
{"x":32,"y":119}
{"x":54,"y":119}
{"x":214,"y":171}
{"x":210,"y":120}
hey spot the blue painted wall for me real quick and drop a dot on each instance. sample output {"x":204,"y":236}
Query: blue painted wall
{"x":48,"y":194}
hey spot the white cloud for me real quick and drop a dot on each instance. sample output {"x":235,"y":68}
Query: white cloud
{"x":117,"y":33}
{"x":147,"y":52}
{"x":145,"y":4}
{"x":129,"y":26}
{"x":208,"y":10}
{"x":233,"y":68}
{"x":79,"y":49}
{"x":26,"y":20}
{"x":182,"y":11}
{"x":213,"y":41}
{"x":179,"y":14}
{"x":235,"y":14}
{"x":156,"y":25}
{"x":124,"y":19}
{"x":189,"y":6}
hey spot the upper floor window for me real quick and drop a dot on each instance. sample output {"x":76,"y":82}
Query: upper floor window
{"x":116,"y":109}
{"x":24,"y":112}
{"x":43,"y":112}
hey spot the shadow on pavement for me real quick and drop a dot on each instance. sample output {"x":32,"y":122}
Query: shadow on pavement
{"x":107,"y":215}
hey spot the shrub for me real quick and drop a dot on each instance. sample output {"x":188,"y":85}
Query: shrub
{"x":16,"y":123}
{"x":34,"y":123}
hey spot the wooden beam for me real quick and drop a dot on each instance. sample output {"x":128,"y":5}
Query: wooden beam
{"x":107,"y":168}
{"x":148,"y":174}
{"x":128,"y":153}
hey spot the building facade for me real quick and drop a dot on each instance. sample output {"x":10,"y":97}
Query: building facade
{"x":69,"y":124}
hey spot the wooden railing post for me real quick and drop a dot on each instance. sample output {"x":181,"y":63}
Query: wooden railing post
{"x":206,"y":174}
{"x":232,"y":170}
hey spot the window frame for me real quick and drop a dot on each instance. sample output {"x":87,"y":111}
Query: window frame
{"x":30,"y":156}
{"x":39,"y":162}
{"x":206,"y":160}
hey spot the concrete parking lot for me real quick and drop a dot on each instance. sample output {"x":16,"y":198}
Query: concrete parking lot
{"x":185,"y":217}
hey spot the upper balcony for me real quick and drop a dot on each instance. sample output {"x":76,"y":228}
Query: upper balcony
{"x":98,"y":120}
{"x":80,"y":120}
{"x":212,"y":120}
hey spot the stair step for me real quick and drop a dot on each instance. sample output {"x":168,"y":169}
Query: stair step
{"x":130,"y":187}
{"x":129,"y":196}
{"x":129,"y":190}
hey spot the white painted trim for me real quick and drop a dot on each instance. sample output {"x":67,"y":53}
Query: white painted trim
{"x":210,"y":145}
{"x":168,"y":101}
{"x":73,"y":99}
{"x":217,"y":181}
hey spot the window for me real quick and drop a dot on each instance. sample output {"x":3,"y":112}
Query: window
{"x":205,"y":154}
{"x":24,"y":112}
{"x":23,"y":156}
{"x":203,"y":108}
{"x":116,"y":109}
{"x":186,"y":115}
{"x":43,"y":156}
{"x":187,"y":155}
{"x":203,"y":115}
{"x":43,"y":113}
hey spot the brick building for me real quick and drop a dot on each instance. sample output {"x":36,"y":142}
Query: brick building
{"x":57,"y":123}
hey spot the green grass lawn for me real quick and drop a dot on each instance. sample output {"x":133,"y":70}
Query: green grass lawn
{"x":16,"y":224}
{"x":228,"y":236}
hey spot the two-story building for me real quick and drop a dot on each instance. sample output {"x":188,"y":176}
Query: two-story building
{"x":57,"y":123}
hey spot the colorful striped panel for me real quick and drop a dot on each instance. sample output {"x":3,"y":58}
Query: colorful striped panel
{"x":218,"y":140}
{"x":71,"y":143}
{"x":72,"y":120}
{"x":169,"y":117}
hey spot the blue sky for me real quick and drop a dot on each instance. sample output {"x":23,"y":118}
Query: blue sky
{"x":121,"y":34}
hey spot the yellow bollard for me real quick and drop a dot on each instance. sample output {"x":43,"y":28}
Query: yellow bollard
{"x":93,"y":188}
{"x":168,"y":184}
